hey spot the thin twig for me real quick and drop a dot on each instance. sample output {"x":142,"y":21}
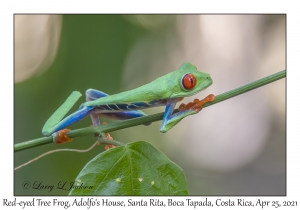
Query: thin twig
{"x":151,"y":118}
{"x":56,"y":150}
{"x":104,"y":141}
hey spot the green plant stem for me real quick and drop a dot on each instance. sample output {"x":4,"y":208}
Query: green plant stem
{"x":148,"y":119}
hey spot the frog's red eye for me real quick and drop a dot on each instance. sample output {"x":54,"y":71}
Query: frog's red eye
{"x":188,"y":81}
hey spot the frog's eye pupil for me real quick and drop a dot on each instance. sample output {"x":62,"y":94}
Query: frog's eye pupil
{"x":189,"y":81}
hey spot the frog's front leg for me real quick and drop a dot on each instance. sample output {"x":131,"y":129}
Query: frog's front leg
{"x":170,"y":120}
{"x":197,"y":104}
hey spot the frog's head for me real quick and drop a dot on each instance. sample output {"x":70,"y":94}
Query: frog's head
{"x":190,"y":80}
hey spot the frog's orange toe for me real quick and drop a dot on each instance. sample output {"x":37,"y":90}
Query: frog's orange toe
{"x":61,"y":136}
{"x":197,"y":104}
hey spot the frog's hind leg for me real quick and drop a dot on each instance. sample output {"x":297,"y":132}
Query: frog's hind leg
{"x":91,"y":95}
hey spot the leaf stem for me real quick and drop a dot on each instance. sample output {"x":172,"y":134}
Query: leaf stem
{"x":118,"y":125}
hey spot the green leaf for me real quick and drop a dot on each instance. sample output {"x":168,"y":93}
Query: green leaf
{"x":137,"y":168}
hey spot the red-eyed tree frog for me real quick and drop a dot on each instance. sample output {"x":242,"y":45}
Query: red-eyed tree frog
{"x":163,"y":91}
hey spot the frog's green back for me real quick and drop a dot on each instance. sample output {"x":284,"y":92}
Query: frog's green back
{"x":165,"y":87}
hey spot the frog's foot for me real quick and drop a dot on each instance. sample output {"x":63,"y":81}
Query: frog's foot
{"x":61,"y":137}
{"x":197,"y":104}
{"x":109,"y":146}
{"x":108,"y":136}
